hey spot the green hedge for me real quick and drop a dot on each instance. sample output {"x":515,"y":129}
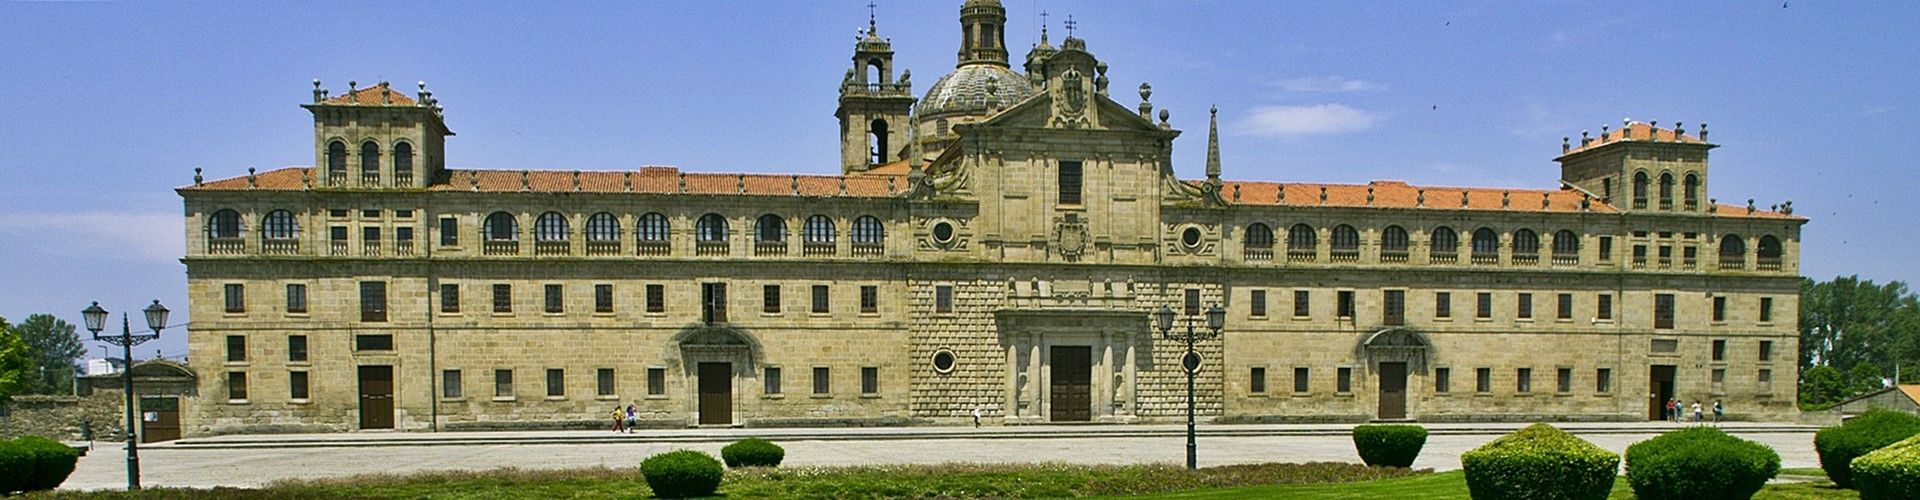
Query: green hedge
{"x":34,"y":463}
{"x":1540,"y":462}
{"x":1889,"y":472}
{"x":1875,"y":429}
{"x":753,"y":452}
{"x":1699,"y":463}
{"x":682,"y":474}
{"x":1389,"y":445}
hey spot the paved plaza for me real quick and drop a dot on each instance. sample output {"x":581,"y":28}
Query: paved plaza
{"x":257,"y":460}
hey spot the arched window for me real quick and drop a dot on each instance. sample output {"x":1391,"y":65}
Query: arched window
{"x":1486,"y":243}
{"x":551,"y":226}
{"x":1690,"y":192}
{"x":603,"y":227}
{"x":1565,"y":243}
{"x":1445,"y":244}
{"x":369,"y":161}
{"x":224,"y":224}
{"x":818,"y":230}
{"x":770,"y":228}
{"x":712,"y":228}
{"x":1732,"y":246}
{"x":1345,"y":239}
{"x":403,"y":161}
{"x":1301,"y":237}
{"x":1393,"y":240}
{"x":877,"y":136}
{"x":502,"y":226}
{"x":1640,"y":190}
{"x":1666,"y":191}
{"x":653,"y":227}
{"x":1259,"y":236}
{"x":1525,"y":242}
{"x":280,"y":225}
{"x":1769,"y":247}
{"x":336,"y":161}
{"x":868,"y":231}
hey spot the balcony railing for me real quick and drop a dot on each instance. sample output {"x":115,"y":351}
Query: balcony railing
{"x":868,"y":249}
{"x":817,"y":249}
{"x":370,"y":179}
{"x":1732,"y":262}
{"x":1486,"y":259}
{"x":1767,"y":263}
{"x":1566,"y":259}
{"x":1344,"y":256}
{"x":226,"y":246}
{"x":1393,"y":257}
{"x":1526,"y":259}
{"x":403,"y":248}
{"x":769,"y":248}
{"x":370,"y":248}
{"x":1257,"y":254}
{"x":403,"y":178}
{"x":337,"y":247}
{"x":337,"y":178}
{"x":598,"y":248}
{"x":1304,"y":255}
{"x":561,"y":247}
{"x":710,"y":248}
{"x":280,"y":247}
{"x":1639,"y":262}
{"x":1443,"y":257}
{"x":653,"y":248}
{"x":1689,"y":263}
{"x":1666,"y":262}
{"x":506,"y":247}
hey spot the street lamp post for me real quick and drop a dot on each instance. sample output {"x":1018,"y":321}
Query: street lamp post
{"x":1190,"y":362}
{"x":96,"y":319}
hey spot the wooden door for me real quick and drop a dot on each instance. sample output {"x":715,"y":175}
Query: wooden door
{"x":376,"y":397}
{"x":716,"y":393}
{"x":159,"y":419}
{"x":1659,"y":389}
{"x":1393,"y":391}
{"x":1071,"y":376}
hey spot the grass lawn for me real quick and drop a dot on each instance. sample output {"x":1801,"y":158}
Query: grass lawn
{"x":1453,"y":485}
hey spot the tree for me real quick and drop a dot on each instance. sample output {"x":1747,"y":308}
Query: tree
{"x":1824,"y":385}
{"x":1848,"y":321}
{"x":56,"y":352}
{"x":16,"y":363}
{"x":1864,"y":378}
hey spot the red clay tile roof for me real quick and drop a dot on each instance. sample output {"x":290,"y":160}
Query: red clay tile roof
{"x":657,"y":180}
{"x":1635,"y":132}
{"x":1398,"y":194}
{"x":373,"y":96}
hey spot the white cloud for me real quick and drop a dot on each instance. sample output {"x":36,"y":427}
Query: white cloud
{"x":1317,"y":119}
{"x":1327,"y":84}
{"x":126,"y":235}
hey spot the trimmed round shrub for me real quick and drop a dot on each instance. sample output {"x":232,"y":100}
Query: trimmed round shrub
{"x":682,"y":474}
{"x":1540,"y":462}
{"x":1875,"y":429}
{"x":1699,"y":463}
{"x":753,"y":452}
{"x":16,"y":464}
{"x":35,"y":463}
{"x":1389,"y":445}
{"x":1890,"y":472}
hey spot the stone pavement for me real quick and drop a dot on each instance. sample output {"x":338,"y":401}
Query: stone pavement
{"x":257,"y":460}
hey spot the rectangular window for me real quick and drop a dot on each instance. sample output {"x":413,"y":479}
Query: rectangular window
{"x":297,"y":348}
{"x":1604,"y":308}
{"x":236,"y":298}
{"x":237,"y":386}
{"x":296,"y":298}
{"x":1766,"y":350}
{"x":449,"y":297}
{"x":1190,"y":303}
{"x":603,"y":298}
{"x":556,"y":382}
{"x":1301,"y":307}
{"x":1765,"y":378}
{"x":869,"y":299}
{"x":1523,"y":306}
{"x":656,"y":298}
{"x":1257,"y":381}
{"x":1665,"y":346}
{"x":1523,"y":380}
{"x":503,"y":383}
{"x":449,"y":232}
{"x":502,"y":298}
{"x":770,"y":299}
{"x":337,"y":234}
{"x":236,"y":348}
{"x":713,"y":302}
{"x":402,"y":213}
{"x":369,"y":213}
{"x":1442,"y":380}
{"x":373,"y":301}
{"x":1719,"y":380}
{"x":656,"y":381}
{"x":370,"y":236}
{"x":1565,"y":380}
{"x":1069,"y":182}
{"x":403,"y":237}
{"x":1719,"y":350}
{"x":1484,"y":308}
{"x":1300,"y":380}
{"x":1766,"y":309}
{"x":556,"y":301}
{"x":450,"y":384}
{"x":1394,"y":307}
{"x":1663,"y":311}
{"x":1606,"y":249}
{"x":869,"y":380}
{"x":1442,"y":305}
{"x":770,"y":378}
{"x":297,"y":385}
{"x":1719,"y":309}
{"x":1344,"y":380}
{"x":1257,"y":303}
{"x":603,"y":382}
{"x":943,"y":299}
{"x":1483,"y":380}
{"x":822,"y":381}
{"x":1603,"y":380}
{"x":373,"y":342}
{"x":1344,"y":302}
{"x":1639,"y":255}
{"x":820,"y":299}
{"x":1565,"y":307}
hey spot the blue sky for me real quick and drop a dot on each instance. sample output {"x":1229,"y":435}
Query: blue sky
{"x":107,"y":106}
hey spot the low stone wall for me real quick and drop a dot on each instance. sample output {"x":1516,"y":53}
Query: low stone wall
{"x":61,"y":417}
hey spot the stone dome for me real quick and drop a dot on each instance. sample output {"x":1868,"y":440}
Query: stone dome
{"x":964,"y":91}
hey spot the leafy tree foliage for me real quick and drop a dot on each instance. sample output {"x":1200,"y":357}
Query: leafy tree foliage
{"x":1860,"y":329}
{"x":56,"y":352}
{"x":1822,"y":386}
{"x":16,"y":363}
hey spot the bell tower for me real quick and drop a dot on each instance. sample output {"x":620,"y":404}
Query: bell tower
{"x":983,"y":26}
{"x":874,"y":108}
{"x":377,"y":137}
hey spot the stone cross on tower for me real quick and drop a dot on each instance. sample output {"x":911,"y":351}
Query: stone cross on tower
{"x":1070,"y":25}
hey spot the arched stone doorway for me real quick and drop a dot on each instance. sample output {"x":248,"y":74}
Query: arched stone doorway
{"x":713,"y":358}
{"x":1394,"y":353}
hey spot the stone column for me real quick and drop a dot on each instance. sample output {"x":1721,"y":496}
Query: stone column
{"x":1036,"y":369}
{"x":1103,"y":372}
{"x":1013,"y":372}
{"x":1132,"y":390}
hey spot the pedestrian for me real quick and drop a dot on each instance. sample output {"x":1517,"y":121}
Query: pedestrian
{"x":617,"y":420}
{"x":1673,"y":412}
{"x":632,"y":418}
{"x":1696,"y":411}
{"x":976,"y":416}
{"x":1719,"y":411}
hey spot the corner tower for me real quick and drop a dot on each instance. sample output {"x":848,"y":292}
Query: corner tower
{"x":874,"y":108}
{"x":377,"y":138}
{"x":1640,"y":167}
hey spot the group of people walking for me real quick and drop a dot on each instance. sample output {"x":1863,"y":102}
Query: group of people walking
{"x":624,"y":420}
{"x":1677,"y":411}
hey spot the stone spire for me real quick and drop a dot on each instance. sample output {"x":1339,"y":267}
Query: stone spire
{"x":983,"y":26}
{"x":1213,"y":146}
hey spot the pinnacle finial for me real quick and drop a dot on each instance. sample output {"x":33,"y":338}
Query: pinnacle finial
{"x":1043,"y":27}
{"x":1213,"y":145}
{"x":873,"y":23}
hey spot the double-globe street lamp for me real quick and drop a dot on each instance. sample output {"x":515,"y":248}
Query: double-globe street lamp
{"x":1190,"y":362}
{"x":96,"y":319}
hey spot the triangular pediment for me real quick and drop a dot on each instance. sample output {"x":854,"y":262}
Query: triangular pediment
{"x":1040,"y":111}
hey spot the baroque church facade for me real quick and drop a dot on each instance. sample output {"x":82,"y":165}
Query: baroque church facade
{"x":997,"y":243}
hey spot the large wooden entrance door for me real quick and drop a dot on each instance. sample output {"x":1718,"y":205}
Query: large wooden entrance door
{"x":1071,"y":375}
{"x":159,"y":419}
{"x":376,"y":397}
{"x":716,"y":393}
{"x":1659,"y":389}
{"x":1393,"y":391}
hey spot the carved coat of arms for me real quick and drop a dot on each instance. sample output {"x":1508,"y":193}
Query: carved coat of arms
{"x":1070,"y":236}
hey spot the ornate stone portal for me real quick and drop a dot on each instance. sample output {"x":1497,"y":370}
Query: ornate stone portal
{"x":1034,"y":338}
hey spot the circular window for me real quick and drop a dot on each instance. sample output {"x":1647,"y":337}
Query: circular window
{"x":943,"y":232}
{"x":943,"y":361}
{"x":1190,"y":237}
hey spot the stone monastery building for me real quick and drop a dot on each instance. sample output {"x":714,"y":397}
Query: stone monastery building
{"x":999,"y":242}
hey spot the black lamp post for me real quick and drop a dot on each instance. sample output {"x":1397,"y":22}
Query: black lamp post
{"x":1190,"y":362}
{"x":96,"y":319}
